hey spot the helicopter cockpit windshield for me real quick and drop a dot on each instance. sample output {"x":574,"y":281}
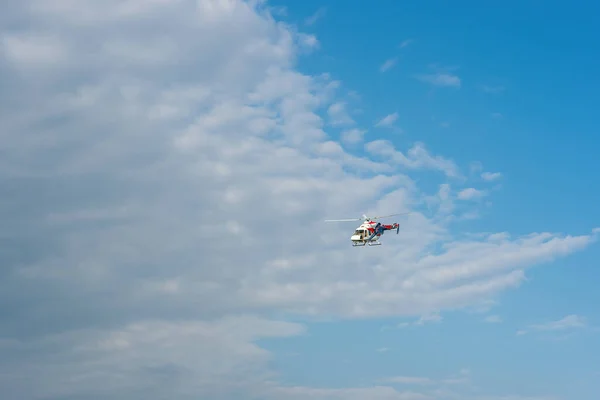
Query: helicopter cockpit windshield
{"x":359,"y":232}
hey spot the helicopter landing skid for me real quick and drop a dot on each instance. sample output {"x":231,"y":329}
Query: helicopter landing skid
{"x":363,"y":244}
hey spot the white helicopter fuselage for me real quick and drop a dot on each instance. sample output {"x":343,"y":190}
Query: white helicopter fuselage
{"x":363,"y":232}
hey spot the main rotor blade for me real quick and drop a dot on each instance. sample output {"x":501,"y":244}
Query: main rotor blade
{"x":390,"y":215}
{"x":343,"y":220}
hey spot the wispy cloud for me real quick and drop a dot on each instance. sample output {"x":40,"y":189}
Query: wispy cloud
{"x":320,"y":13}
{"x":442,"y":79}
{"x":279,"y":11}
{"x":482,"y":307}
{"x":491,"y":176}
{"x":434,"y":317}
{"x":307,"y":41}
{"x":411,"y":380}
{"x":475,"y":167}
{"x":496,"y":115}
{"x":353,"y":136}
{"x":431,"y":318}
{"x":569,"y":322}
{"x":417,"y":157}
{"x":493,"y":319}
{"x":442,"y":200}
{"x":388,"y":64}
{"x":388,"y":120}
{"x":462,"y":377}
{"x":471,"y":194}
{"x":338,"y":115}
{"x":406,"y":43}
{"x":492,"y":89}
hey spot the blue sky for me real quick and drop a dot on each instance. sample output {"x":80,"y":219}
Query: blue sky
{"x":545,"y":63}
{"x":541,"y":66}
{"x":169,"y":166}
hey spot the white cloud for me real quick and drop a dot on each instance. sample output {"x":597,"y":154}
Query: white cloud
{"x":180,"y":166}
{"x":493,"y":319}
{"x":319,"y":14}
{"x":471,"y":194}
{"x":405,"y":43}
{"x":353,"y":136}
{"x":569,"y":322}
{"x":440,"y":384}
{"x":491,"y":176}
{"x":374,"y":392}
{"x":475,"y":167}
{"x":388,"y":120}
{"x":338,"y":115}
{"x":388,"y":64}
{"x":443,"y":199}
{"x":308,"y":41}
{"x":430,"y":318}
{"x":441,"y":79}
{"x":33,"y":50}
{"x":165,"y":359}
{"x":411,"y":380}
{"x":418,"y":157}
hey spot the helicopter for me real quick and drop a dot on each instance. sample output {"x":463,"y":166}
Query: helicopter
{"x":369,"y":232}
